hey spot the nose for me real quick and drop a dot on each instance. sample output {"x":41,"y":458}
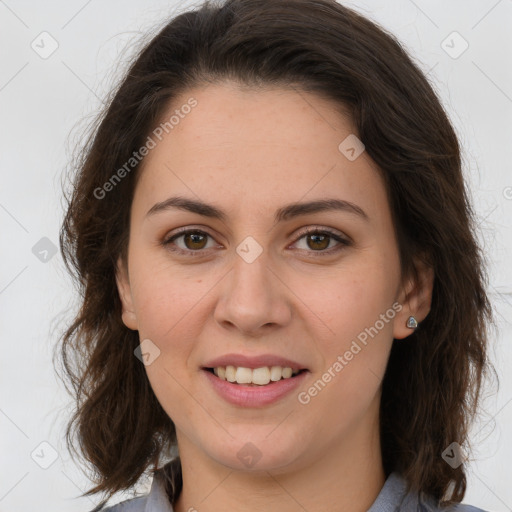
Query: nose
{"x":252,"y":298}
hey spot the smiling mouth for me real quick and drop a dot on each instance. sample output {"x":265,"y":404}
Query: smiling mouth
{"x":266,"y":375}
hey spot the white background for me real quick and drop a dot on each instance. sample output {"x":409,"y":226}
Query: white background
{"x":43,"y":101}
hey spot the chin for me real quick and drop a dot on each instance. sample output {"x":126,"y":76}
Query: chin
{"x":254,"y":452}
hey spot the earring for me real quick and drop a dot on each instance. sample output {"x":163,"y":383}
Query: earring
{"x":412,"y":323}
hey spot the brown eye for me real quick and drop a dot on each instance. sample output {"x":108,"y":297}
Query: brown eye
{"x":318,"y":242}
{"x":192,"y":242}
{"x":195,"y":240}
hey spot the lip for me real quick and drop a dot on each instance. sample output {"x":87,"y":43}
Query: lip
{"x":254,"y":361}
{"x":253,"y":396}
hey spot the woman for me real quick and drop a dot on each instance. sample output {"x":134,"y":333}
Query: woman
{"x":284,"y":304}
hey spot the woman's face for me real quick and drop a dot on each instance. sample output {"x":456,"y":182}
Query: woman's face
{"x":253,"y":288}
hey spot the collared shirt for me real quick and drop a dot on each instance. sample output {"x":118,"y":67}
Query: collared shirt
{"x":392,"y":498}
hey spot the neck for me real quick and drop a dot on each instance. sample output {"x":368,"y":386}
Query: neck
{"x":347,"y":476}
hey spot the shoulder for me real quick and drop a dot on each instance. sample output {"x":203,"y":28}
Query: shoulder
{"x":467,"y":508}
{"x":394,"y":497}
{"x":428,"y":504}
{"x":156,"y":501}
{"x":131,"y":505}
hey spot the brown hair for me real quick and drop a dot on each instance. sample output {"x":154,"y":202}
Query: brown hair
{"x":431,"y":389}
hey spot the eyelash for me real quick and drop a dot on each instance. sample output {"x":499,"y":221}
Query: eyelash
{"x":342,"y":242}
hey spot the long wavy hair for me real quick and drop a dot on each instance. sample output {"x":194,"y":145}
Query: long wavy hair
{"x":432,"y":385}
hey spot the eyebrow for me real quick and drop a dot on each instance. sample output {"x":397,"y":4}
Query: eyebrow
{"x":285,"y":213}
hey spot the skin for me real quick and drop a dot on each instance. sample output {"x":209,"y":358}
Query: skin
{"x":250,"y":152}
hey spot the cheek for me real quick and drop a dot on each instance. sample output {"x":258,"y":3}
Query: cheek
{"x":349,"y":299}
{"x":354,"y":352}
{"x":355,"y":334}
{"x":167,"y":300}
{"x":170,"y":310}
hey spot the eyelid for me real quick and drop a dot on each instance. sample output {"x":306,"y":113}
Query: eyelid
{"x":168,"y":239}
{"x":321,"y":230}
{"x":342,"y":239}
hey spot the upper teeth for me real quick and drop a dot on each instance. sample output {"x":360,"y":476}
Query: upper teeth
{"x":260,"y":376}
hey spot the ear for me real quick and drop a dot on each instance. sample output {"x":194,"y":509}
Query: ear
{"x":415,"y":296}
{"x":123,"y":287}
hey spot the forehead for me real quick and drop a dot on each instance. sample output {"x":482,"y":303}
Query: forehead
{"x":257,"y":147}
